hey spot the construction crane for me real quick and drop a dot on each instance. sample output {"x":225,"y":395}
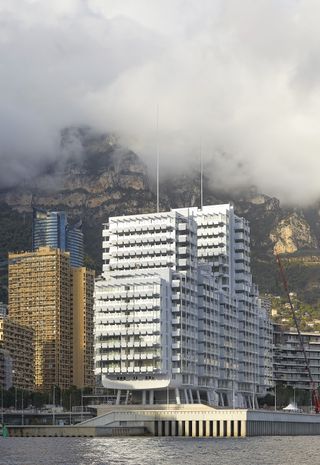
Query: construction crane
{"x":314,"y":389}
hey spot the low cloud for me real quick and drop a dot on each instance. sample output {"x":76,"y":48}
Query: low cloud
{"x":240,"y":79}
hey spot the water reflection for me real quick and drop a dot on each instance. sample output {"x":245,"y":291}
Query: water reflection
{"x":159,"y":451}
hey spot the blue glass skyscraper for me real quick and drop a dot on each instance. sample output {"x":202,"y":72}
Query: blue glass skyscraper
{"x":52,"y":229}
{"x":49,"y":229}
{"x":74,"y":244}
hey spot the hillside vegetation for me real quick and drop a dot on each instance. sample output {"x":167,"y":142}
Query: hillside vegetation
{"x":109,"y":180}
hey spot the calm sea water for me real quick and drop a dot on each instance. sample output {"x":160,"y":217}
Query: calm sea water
{"x":160,"y":451}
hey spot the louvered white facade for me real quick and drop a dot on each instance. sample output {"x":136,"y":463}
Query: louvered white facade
{"x":177,"y":318}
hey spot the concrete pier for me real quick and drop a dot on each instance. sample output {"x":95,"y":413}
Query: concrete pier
{"x":74,"y":431}
{"x":261,"y":423}
{"x":184,"y":420}
{"x":198,"y":420}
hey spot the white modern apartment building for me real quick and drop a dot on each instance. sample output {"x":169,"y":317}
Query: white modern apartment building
{"x":177,"y":317}
{"x":289,"y":367}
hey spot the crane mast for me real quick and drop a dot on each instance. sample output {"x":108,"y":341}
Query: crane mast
{"x":314,"y":389}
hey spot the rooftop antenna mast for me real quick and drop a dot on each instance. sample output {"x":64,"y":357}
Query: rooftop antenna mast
{"x":158,"y":159}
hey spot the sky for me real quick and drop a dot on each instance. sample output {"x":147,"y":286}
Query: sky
{"x":236,"y":80}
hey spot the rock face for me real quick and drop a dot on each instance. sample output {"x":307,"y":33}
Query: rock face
{"x":104,"y":176}
{"x":107,"y":180}
{"x":292,"y":234}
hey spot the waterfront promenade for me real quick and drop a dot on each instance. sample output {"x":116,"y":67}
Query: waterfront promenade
{"x":180,"y":421}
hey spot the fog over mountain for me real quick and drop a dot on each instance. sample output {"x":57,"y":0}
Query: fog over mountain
{"x":239,"y":78}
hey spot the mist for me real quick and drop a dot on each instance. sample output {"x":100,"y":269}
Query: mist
{"x":238,"y":81}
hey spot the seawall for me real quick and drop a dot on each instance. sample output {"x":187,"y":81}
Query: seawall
{"x":183,"y":420}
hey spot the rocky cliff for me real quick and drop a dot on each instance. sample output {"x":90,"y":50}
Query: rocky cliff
{"x":291,"y":234}
{"x":102,"y":179}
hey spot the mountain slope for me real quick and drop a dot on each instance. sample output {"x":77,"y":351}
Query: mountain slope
{"x":109,"y":180}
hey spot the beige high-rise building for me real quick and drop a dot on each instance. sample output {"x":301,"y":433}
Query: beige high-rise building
{"x":56,"y":301}
{"x":17,"y":343}
{"x":82,"y":307}
{"x":40,"y":298}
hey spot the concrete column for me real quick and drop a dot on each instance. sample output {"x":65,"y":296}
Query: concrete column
{"x":177,"y":393}
{"x":151,"y":397}
{"x":200,"y":428}
{"x":186,"y":396}
{"x":144,"y":397}
{"x":193,"y":433}
{"x":208,"y":428}
{"x":228,"y":428}
{"x":187,"y":428}
{"x":221,"y":429}
{"x":159,"y":428}
{"x":173,"y":428}
{"x":215,"y":429}
{"x":191,"y":396}
{"x":179,"y":428}
{"x":243,"y":428}
{"x":127,"y":397}
{"x":198,"y":396}
{"x":166,"y":428}
{"x":118,"y":397}
{"x":230,"y":400}
{"x":151,"y":427}
{"x":235,"y":428}
{"x":208,"y":397}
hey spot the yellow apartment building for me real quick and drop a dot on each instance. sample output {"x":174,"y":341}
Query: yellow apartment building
{"x":40,"y":298}
{"x":82,"y":307}
{"x":56,"y":301}
{"x":17,"y":342}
